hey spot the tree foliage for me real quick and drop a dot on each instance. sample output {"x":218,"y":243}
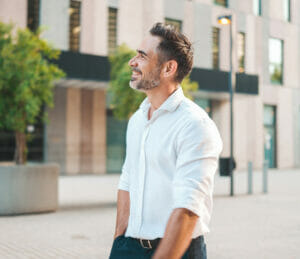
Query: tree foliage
{"x":124,"y":100}
{"x":26,"y":78}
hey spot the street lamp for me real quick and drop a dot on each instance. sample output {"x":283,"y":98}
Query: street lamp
{"x":227,"y":20}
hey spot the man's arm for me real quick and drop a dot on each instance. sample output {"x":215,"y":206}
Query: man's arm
{"x":123,"y":208}
{"x":178,"y":234}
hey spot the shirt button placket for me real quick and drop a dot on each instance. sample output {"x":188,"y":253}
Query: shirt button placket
{"x":142,"y":171}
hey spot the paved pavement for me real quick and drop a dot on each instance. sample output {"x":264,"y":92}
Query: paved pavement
{"x":260,"y":226}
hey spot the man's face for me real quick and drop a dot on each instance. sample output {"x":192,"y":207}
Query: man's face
{"x":145,"y":65}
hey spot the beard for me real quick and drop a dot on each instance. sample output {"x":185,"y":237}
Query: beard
{"x":150,"y":81}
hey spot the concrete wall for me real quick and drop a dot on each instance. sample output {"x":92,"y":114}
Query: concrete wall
{"x":202,"y":35}
{"x":73,"y":128}
{"x":93,"y":37}
{"x":14,"y":11}
{"x":54,"y":17}
{"x":77,"y":130}
{"x":56,"y":130}
{"x":83,"y":148}
{"x":130,"y":23}
{"x":174,"y":9}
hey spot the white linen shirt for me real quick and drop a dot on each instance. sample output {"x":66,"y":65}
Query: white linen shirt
{"x":170,"y":163}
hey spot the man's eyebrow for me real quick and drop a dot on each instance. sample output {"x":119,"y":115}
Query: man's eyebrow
{"x":142,"y":52}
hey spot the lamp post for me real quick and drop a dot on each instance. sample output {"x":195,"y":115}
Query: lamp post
{"x":227,"y":20}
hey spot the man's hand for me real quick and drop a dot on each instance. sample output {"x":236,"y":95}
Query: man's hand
{"x":123,"y":208}
{"x":178,"y":235}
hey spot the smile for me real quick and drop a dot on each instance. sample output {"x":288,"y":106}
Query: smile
{"x":135,"y":74}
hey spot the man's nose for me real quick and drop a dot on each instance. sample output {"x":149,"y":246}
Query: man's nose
{"x":132,"y":62}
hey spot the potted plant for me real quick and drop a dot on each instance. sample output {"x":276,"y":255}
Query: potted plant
{"x":26,"y":85}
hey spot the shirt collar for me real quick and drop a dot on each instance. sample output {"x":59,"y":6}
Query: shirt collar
{"x":170,"y":104}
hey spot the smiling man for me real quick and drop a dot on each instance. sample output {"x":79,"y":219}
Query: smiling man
{"x":165,"y":189}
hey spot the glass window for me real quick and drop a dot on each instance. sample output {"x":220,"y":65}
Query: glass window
{"x":176,"y":23}
{"x":215,"y":47}
{"x":112,"y":30}
{"x":221,"y":2}
{"x":33,"y":7}
{"x":74,"y":29}
{"x":241,"y":51}
{"x":257,"y":7}
{"x":270,"y":135}
{"x":276,"y":60}
{"x":115,"y":142}
{"x":287,"y":10}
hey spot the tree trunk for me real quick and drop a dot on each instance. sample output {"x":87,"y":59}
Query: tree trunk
{"x":21,"y":148}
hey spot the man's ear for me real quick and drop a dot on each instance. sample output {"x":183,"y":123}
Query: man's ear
{"x":169,"y":69}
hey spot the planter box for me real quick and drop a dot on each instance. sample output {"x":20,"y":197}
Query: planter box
{"x":30,"y":188}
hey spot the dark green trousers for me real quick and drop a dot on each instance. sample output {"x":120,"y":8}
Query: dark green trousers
{"x":129,"y":248}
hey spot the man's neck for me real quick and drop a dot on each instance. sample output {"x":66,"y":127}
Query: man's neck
{"x":157,"y":96}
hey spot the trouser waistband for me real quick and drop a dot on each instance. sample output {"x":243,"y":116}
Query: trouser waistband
{"x":152,"y":244}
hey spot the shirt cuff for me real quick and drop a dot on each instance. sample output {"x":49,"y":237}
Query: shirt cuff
{"x":193,"y":202}
{"x":123,"y":182}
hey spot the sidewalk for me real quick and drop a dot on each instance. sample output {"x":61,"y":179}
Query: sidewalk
{"x":259,"y":226}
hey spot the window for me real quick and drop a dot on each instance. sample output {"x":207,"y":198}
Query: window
{"x":215,"y":47}
{"x":112,"y":30}
{"x":176,"y":23}
{"x":276,"y":61}
{"x":221,"y":2}
{"x":74,"y":29}
{"x":270,"y":135}
{"x":33,"y":7}
{"x":241,"y":51}
{"x":287,"y":10}
{"x":257,"y":7}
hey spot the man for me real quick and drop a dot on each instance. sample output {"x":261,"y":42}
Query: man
{"x":165,"y":190}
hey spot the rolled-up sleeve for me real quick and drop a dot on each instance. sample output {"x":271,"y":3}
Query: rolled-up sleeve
{"x":124,"y":179}
{"x":198,"y":149}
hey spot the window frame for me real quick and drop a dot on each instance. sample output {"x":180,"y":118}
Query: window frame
{"x":244,"y":52}
{"x":281,"y":81}
{"x":176,"y":23}
{"x":73,"y":24}
{"x":287,"y":10}
{"x":112,"y":39}
{"x":225,"y":4}
{"x":33,"y":12}
{"x":257,"y":11}
{"x":216,"y":66}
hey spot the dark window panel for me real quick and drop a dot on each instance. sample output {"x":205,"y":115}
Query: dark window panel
{"x":216,"y":48}
{"x":112,"y":30}
{"x":221,"y":2}
{"x":176,"y":23}
{"x":33,"y":7}
{"x":74,"y":28}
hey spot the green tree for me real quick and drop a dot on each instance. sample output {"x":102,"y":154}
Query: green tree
{"x":124,"y":100}
{"x":26,"y":81}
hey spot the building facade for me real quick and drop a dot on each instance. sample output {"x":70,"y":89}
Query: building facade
{"x":82,"y":135}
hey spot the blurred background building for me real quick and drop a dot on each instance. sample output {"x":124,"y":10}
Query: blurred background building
{"x":83,"y":136}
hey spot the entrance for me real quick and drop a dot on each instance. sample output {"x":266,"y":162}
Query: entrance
{"x":270,"y":135}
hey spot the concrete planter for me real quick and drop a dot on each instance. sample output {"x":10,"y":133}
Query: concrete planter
{"x":30,"y":188}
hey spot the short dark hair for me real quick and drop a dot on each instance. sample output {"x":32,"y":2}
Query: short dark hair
{"x":174,"y":45}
